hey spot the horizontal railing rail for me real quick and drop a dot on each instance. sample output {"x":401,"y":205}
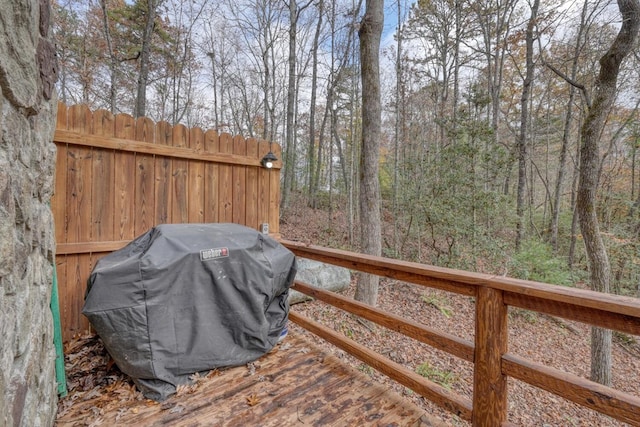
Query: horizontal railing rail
{"x":492,"y":362}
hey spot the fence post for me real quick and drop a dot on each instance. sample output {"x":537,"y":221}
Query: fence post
{"x":489,"y":384}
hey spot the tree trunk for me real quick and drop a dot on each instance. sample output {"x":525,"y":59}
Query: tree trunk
{"x":604,"y":94}
{"x":112,"y":58}
{"x":555,"y":215}
{"x":291,"y":97}
{"x":370,"y":230}
{"x":524,"y":119}
{"x":398,"y":136}
{"x":312,"y":110}
{"x":145,"y":54}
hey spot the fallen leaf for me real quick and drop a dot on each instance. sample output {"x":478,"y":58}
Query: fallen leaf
{"x":182,"y":389}
{"x":253,"y":400}
{"x":96,"y":422}
{"x":213,"y":373}
{"x":178,"y":409}
{"x":252,"y":368}
{"x":285,"y":346}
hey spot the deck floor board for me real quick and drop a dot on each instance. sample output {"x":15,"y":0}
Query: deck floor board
{"x":297,"y":383}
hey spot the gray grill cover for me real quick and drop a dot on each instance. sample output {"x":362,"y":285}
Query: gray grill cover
{"x":184,"y":298}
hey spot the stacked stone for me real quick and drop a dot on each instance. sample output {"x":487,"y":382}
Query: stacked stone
{"x":28,"y":392}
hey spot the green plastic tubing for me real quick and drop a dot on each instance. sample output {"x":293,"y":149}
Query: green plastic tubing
{"x":57,"y":337}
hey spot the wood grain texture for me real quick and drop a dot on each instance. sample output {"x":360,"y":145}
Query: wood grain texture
{"x":263,"y":186}
{"x":582,"y":310}
{"x":251,"y":187}
{"x":491,"y":338}
{"x":225,"y":182}
{"x":103,"y":180}
{"x":90,"y":247}
{"x":59,"y":199}
{"x":79,"y":187}
{"x":144,"y":200}
{"x":274,"y":192}
{"x":180,"y":189}
{"x":239,"y":182}
{"x":79,"y":138}
{"x":124,"y":181}
{"x":294,"y":384}
{"x":196,"y":178}
{"x":440,"y":340}
{"x":211,"y":191}
{"x":441,"y":396}
{"x":401,"y":270}
{"x":116,"y":177}
{"x":606,"y":400}
{"x":577,"y":304}
{"x":162,"y":173}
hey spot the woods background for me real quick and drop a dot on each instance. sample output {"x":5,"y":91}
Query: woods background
{"x":455,"y":191}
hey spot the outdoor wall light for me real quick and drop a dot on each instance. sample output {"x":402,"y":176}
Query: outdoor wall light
{"x":268,"y":159}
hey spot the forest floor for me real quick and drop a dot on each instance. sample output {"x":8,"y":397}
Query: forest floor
{"x":551,"y":341}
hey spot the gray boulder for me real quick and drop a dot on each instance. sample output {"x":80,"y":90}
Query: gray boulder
{"x":324,"y":276}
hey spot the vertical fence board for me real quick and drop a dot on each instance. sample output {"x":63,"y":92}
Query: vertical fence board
{"x":263,"y":186}
{"x":102,"y":193}
{"x":251,"y":191}
{"x":144,"y":179}
{"x":124,"y":181}
{"x":79,"y":204}
{"x":239,"y":175}
{"x":274,"y":195}
{"x":179,"y":212}
{"x":225,"y":202}
{"x":195,"y":207}
{"x":79,"y":177}
{"x":58,"y":201}
{"x":64,"y":297}
{"x":211,"y":199}
{"x":163,"y":194}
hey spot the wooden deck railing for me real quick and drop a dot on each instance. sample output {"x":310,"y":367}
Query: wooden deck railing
{"x":493,"y":364}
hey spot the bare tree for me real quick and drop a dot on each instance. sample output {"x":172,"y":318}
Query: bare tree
{"x":524,"y":120}
{"x":603,"y":97}
{"x":370,"y":230}
{"x":494,"y":20}
{"x":150,"y":12}
{"x":176,"y":88}
{"x":113,"y":60}
{"x":312,"y":106}
{"x":555,"y":205}
{"x":289,"y":165}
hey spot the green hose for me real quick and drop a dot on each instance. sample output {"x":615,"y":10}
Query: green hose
{"x":57,"y":337}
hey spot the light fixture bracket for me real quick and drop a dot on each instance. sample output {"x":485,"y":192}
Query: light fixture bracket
{"x":268,"y":160}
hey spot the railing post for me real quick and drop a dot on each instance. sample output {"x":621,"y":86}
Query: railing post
{"x":489,"y":384}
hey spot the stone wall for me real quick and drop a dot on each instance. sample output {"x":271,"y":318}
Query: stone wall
{"x":28,"y":392}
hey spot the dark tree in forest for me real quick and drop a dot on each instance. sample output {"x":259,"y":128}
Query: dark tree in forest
{"x":603,"y":97}
{"x":370,"y":229}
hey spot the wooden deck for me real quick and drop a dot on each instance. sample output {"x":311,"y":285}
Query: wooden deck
{"x":297,"y":383}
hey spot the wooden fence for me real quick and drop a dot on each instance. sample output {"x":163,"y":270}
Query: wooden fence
{"x":116,"y":177}
{"x":492,"y":361}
